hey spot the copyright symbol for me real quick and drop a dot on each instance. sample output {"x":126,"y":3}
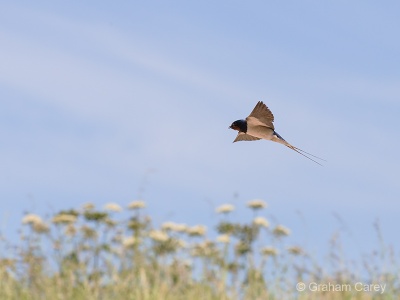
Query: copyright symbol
{"x":301,"y":286}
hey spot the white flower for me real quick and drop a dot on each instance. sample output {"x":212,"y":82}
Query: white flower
{"x":136,"y":204}
{"x":295,"y":250}
{"x":129,"y":241}
{"x":179,"y":227}
{"x":40,"y":227}
{"x":158,"y":235}
{"x":260,"y":221}
{"x":64,"y":218}
{"x":174,"y":226}
{"x":36,"y":223}
{"x":88,"y":206}
{"x":113,"y":207}
{"x":269,"y":251}
{"x":223,"y":238}
{"x":281,"y":230}
{"x":31,"y":219}
{"x":225,"y":208}
{"x":257,"y":204}
{"x":197,"y":230}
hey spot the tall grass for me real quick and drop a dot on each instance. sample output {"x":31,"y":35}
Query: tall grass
{"x":90,"y":253}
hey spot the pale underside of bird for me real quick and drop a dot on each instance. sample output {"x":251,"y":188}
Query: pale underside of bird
{"x":259,"y":125}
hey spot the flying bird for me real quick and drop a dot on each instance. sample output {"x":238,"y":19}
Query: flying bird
{"x":259,"y":125}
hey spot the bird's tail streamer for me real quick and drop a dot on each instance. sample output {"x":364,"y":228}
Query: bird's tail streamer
{"x":298,"y":150}
{"x":302,"y":152}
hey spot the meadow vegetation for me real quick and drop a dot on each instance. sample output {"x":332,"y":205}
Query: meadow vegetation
{"x":91,"y":253}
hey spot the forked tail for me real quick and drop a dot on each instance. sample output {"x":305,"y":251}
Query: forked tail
{"x":281,"y":140}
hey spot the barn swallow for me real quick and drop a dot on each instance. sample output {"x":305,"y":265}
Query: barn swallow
{"x":259,"y":125}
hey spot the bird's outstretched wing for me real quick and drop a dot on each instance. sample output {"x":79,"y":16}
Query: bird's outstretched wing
{"x":261,"y":113}
{"x":245,"y":137}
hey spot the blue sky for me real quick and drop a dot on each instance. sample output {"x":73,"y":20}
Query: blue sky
{"x":111,"y":102}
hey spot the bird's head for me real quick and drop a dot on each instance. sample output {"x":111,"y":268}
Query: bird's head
{"x":239,"y":125}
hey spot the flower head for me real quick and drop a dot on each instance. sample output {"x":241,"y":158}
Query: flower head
{"x":174,"y":226}
{"x":198,"y":230}
{"x":129,"y":241}
{"x":113,"y":207}
{"x":158,"y":235}
{"x":269,"y":251}
{"x":225,"y":208}
{"x":136,"y":204}
{"x":256,"y":204}
{"x":88,"y":206}
{"x":64,"y":218}
{"x":260,"y":221}
{"x":40,"y":227}
{"x":36,"y":223}
{"x":295,"y":250}
{"x":281,"y":230}
{"x":31,"y":219}
{"x":223,"y":239}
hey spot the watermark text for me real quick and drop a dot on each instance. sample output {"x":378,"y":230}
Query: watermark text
{"x":336,"y":287}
